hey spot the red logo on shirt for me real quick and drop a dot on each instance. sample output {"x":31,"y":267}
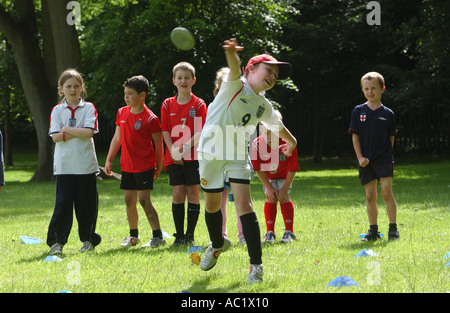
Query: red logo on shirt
{"x":362,"y":117}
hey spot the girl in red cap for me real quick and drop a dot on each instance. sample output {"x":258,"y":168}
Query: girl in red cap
{"x":232,"y":117}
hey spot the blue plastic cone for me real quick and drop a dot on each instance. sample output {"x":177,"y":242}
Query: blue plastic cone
{"x":342,"y":281}
{"x":447,"y":265}
{"x":446,"y":256}
{"x":30,"y":240}
{"x":365,"y":252}
{"x":166,"y":235}
{"x":52,"y":258}
{"x":363,"y":235}
{"x":195,"y":249}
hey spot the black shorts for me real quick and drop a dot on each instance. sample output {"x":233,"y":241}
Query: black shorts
{"x":137,"y":181}
{"x":186,"y":174}
{"x":375,"y":171}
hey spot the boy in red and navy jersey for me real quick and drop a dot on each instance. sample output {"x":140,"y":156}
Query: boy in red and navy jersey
{"x":276,"y":171}
{"x":373,"y":128}
{"x":138,"y":135}
{"x":182,"y":119}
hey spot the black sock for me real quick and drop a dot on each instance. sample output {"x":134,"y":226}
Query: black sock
{"x":374,"y":227}
{"x":178,"y":217}
{"x":252,"y":235}
{"x":214,"y":224}
{"x":192,"y":217}
{"x":134,"y":233}
{"x":157,"y":233}
{"x":392,"y":226}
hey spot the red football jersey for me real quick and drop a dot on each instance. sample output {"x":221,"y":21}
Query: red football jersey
{"x":279,"y":167}
{"x":137,"y":151}
{"x":182,"y":121}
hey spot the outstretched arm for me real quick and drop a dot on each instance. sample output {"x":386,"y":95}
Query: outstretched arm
{"x":231,"y":48}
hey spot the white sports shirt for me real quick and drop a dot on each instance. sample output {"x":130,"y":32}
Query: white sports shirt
{"x":77,"y":155}
{"x":232,"y":117}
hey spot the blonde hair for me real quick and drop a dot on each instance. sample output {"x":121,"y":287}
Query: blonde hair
{"x":373,"y":75}
{"x":185,"y":66}
{"x":72,"y":73}
{"x":219,"y":78}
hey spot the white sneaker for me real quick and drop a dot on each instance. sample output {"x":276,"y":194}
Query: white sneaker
{"x":130,"y":241}
{"x":211,"y":255}
{"x":256,"y":274}
{"x":288,"y":236}
{"x":242,"y":241}
{"x":155,"y":242}
{"x":269,"y":237}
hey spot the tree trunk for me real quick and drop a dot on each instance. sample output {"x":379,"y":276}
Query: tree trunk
{"x":8,"y":160}
{"x":37,"y":73}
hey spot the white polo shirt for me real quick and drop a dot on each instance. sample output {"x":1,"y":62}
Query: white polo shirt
{"x":75,"y":156}
{"x":232,"y":118}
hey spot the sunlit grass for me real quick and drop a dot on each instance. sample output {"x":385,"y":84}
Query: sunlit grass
{"x":329,"y":217}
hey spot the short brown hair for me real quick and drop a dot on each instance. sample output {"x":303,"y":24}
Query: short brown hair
{"x":373,"y":75}
{"x":185,"y":66}
{"x":138,"y":83}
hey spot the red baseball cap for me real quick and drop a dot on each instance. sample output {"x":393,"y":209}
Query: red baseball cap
{"x":284,"y":67}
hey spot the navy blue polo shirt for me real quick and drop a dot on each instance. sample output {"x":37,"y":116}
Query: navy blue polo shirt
{"x":374,"y":128}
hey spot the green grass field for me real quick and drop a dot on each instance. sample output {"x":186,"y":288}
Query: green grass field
{"x":329,"y":217}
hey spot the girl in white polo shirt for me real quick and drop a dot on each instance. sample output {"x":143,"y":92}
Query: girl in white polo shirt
{"x":73,"y":123}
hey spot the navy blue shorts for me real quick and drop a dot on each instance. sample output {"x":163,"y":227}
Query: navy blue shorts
{"x":137,"y":181}
{"x":375,"y":171}
{"x":186,"y":174}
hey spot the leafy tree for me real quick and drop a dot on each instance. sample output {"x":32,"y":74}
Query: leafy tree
{"x":133,"y":37}
{"x":44,"y":44}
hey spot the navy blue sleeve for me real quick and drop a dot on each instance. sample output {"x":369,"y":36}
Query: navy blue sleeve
{"x":392,"y":128}
{"x":353,"y":129}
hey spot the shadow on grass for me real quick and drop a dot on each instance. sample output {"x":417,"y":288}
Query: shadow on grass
{"x":364,"y":244}
{"x":200,"y":285}
{"x":143,"y":250}
{"x":37,"y":258}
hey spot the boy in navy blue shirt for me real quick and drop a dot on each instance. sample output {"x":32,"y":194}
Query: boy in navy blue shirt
{"x":372,"y":127}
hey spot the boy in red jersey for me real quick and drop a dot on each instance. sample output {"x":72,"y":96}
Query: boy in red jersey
{"x":137,"y":129}
{"x":277,"y":175}
{"x":182,"y":119}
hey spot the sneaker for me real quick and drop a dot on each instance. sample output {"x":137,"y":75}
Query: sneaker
{"x":130,"y":241}
{"x":371,"y":235}
{"x":56,"y":248}
{"x":288,"y":236}
{"x":87,"y":246}
{"x":269,"y":237}
{"x":393,"y":234}
{"x":211,"y":255}
{"x":256,"y":274}
{"x":242,"y":241}
{"x":189,"y":239}
{"x":179,"y":240}
{"x":155,"y":242}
